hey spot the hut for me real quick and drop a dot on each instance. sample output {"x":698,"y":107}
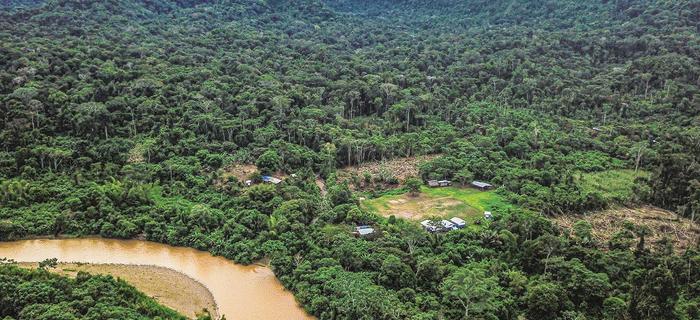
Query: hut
{"x":458,"y":222}
{"x":363,"y":231}
{"x":438,"y":226}
{"x":444,"y":183}
{"x":447,"y":225}
{"x":481,"y":185}
{"x":488,"y":215}
{"x":429,"y":225}
{"x":433,"y":183}
{"x":271,"y":179}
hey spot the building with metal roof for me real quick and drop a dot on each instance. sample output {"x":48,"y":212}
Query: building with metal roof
{"x":482,"y":185}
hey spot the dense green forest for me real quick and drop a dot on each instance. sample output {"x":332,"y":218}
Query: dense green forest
{"x":39,"y":294}
{"x":119,"y":116}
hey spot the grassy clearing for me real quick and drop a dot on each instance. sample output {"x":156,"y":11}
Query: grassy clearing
{"x":466,"y":203}
{"x":613,"y":185}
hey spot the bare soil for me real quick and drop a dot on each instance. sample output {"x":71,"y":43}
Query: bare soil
{"x":400,"y":168}
{"x":663,"y":223}
{"x":422,"y":207}
{"x":321,"y":186}
{"x":240,"y":171}
{"x":169,"y":287}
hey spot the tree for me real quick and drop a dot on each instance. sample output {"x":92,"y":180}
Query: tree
{"x":413,"y":185}
{"x":269,"y":162}
{"x":464,"y":176}
{"x":474,"y":288}
{"x":545,"y":301}
{"x":48,"y":264}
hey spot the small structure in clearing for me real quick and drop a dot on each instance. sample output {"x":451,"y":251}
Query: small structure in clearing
{"x":363,"y":231}
{"x":439,"y":226}
{"x":441,"y":183}
{"x":488,"y":215}
{"x":483,"y":186}
{"x":271,"y":179}
{"x":458,"y":222}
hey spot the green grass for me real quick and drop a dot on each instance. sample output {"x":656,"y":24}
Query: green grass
{"x":480,"y":200}
{"x":156,"y":194}
{"x":613,"y":185}
{"x":466,"y":203}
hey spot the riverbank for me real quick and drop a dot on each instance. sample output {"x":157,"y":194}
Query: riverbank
{"x":169,"y":287}
{"x":246,"y":292}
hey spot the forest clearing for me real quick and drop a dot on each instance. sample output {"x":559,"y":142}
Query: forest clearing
{"x":466,"y":203}
{"x":169,"y":287}
{"x":240,"y":171}
{"x":661,"y":223}
{"x":398,"y":170}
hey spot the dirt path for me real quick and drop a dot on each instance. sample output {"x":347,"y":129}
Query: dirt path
{"x":322,"y":186}
{"x":169,"y":287}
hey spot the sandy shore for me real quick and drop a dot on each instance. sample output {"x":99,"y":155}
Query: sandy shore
{"x":169,"y":287}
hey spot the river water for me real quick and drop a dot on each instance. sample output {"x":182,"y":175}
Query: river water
{"x":240,"y":292}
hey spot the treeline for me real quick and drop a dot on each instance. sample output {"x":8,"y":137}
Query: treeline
{"x":351,"y":88}
{"x":120,"y":117}
{"x":39,"y":294}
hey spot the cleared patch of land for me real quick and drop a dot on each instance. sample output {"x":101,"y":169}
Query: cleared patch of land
{"x":663,"y":223}
{"x":614,"y":185}
{"x":466,"y":203}
{"x":240,"y":171}
{"x":399,"y":168}
{"x":169,"y":287}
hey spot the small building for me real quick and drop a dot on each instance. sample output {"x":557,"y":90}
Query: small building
{"x":270,"y":179}
{"x":429,"y":225}
{"x":481,"y":185}
{"x":458,"y":222}
{"x":438,"y":226}
{"x":363,"y":231}
{"x":447,"y":225}
{"x":488,"y":215}
{"x":441,"y":183}
{"x":249,"y":183}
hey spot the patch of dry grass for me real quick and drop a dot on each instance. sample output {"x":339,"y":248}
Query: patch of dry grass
{"x":240,"y":171}
{"x":663,"y":223}
{"x":400,"y":168}
{"x":423,"y":206}
{"x":466,"y":203}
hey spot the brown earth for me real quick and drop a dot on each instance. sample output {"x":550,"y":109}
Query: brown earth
{"x":421,"y":207}
{"x":240,"y":171}
{"x":169,"y":287}
{"x":400,"y":168}
{"x":663,"y":223}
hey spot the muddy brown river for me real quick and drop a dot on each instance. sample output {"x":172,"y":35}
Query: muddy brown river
{"x":240,"y":292}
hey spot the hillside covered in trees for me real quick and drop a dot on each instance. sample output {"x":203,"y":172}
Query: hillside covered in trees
{"x":119,"y":117}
